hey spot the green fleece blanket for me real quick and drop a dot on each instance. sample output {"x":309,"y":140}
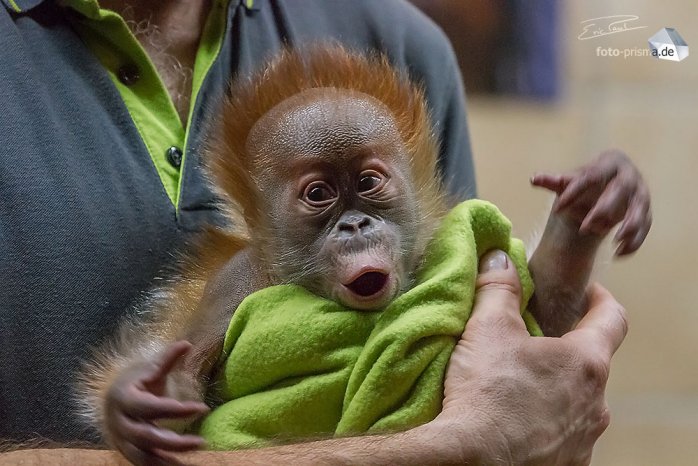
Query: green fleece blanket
{"x":295,"y":365}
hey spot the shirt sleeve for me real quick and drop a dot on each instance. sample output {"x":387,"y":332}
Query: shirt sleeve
{"x":431,"y":61}
{"x":456,"y":161}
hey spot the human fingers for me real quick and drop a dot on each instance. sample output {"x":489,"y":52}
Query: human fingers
{"x":497,"y":298}
{"x":604,"y":326}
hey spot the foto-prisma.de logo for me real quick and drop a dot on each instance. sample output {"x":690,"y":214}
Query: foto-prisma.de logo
{"x":667,"y":44}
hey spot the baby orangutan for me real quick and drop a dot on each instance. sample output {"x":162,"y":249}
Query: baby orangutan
{"x":327,"y":168}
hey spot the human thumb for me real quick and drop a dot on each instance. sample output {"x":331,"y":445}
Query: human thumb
{"x":497,"y":295}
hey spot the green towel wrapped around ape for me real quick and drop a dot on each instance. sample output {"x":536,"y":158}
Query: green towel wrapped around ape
{"x":295,"y":365}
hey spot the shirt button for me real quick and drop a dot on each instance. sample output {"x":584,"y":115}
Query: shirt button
{"x":128,"y":74}
{"x":174,"y":156}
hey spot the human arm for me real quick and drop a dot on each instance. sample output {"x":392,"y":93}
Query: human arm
{"x":544,"y":403}
{"x":509,"y":397}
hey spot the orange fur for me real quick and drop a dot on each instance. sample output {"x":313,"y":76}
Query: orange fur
{"x":229,"y":164}
{"x":172,"y":308}
{"x":161,"y":318}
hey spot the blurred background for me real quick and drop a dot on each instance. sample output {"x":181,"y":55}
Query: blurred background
{"x":540,"y":99}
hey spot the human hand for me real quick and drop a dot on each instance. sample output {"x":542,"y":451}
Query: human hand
{"x":598,"y":196}
{"x":138,"y":399}
{"x":528,"y":400}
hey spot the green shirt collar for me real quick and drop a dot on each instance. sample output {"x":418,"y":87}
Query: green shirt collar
{"x":146,"y":98}
{"x":89,"y":8}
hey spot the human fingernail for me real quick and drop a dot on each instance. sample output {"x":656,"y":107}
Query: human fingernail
{"x":494,"y":260}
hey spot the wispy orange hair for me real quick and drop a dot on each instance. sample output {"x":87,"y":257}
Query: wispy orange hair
{"x":172,"y":308}
{"x":230,"y":166}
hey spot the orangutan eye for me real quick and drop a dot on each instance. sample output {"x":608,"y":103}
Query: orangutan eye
{"x":319,"y":193}
{"x":367,"y":183}
{"x":370,"y":181}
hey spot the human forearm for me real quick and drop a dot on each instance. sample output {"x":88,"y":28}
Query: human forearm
{"x":509,"y":398}
{"x":62,"y":457}
{"x":432,"y":443}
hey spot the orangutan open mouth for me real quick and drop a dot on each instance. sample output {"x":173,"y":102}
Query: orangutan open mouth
{"x":369,"y":283}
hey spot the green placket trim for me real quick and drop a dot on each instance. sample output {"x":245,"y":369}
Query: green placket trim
{"x":15,"y":7}
{"x":147,"y":100}
{"x":209,"y":48}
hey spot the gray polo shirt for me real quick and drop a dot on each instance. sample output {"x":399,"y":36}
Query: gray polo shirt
{"x":86,"y":222}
